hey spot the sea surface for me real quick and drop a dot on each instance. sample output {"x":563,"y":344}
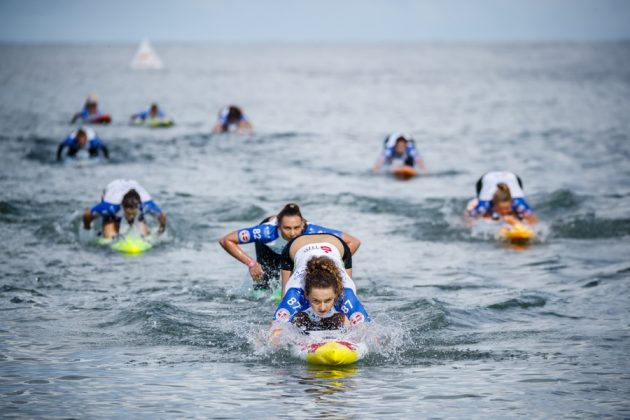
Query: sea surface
{"x":464,"y":325}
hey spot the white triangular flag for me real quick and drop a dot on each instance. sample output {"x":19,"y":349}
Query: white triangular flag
{"x":146,"y":58}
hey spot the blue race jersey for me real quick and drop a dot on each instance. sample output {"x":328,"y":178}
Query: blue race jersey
{"x":147,"y":114}
{"x":295,"y":301}
{"x":112,"y":209}
{"x":268,"y":232}
{"x":485,"y":208}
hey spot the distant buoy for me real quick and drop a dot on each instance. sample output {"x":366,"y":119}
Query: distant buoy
{"x":146,"y":58}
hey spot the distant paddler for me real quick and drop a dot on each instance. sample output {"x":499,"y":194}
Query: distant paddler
{"x":400,"y":156}
{"x":124,"y":200}
{"x":90,"y":112}
{"x":500,"y":196}
{"x":82,"y":139}
{"x":232,"y":119}
{"x":154,"y":116}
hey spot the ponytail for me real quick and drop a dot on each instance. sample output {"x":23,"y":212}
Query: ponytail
{"x":502,"y":194}
{"x":290,"y":209}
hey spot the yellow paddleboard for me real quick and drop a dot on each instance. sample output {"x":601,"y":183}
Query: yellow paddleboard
{"x":131,"y":245}
{"x":332,"y":353}
{"x":518,"y":232}
{"x":159,"y":122}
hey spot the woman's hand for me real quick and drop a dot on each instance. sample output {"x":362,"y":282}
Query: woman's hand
{"x":256,"y":271}
{"x":275,"y":333}
{"x":511,"y":220}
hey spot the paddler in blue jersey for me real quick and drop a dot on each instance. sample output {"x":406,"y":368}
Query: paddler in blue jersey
{"x":270,"y":238}
{"x":82,"y":139}
{"x":232,"y":119}
{"x":124,"y":200}
{"x":399,"y":149}
{"x":153,"y":113}
{"x":90,"y":112}
{"x":318,"y":290}
{"x":500,"y":196}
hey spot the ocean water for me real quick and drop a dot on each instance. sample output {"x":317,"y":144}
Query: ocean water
{"x":466,"y":326}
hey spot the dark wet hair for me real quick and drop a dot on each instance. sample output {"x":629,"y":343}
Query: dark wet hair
{"x":131,"y":200}
{"x":401,"y":138}
{"x":290,"y":209}
{"x":234,"y":115}
{"x":502,"y":194}
{"x":321,"y":273}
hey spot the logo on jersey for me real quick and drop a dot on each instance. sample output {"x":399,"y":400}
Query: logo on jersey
{"x":243,"y":236}
{"x":326,"y":249}
{"x":282,"y":315}
{"x":357,"y":318}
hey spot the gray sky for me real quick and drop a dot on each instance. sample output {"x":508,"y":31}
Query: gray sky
{"x":313,"y":20}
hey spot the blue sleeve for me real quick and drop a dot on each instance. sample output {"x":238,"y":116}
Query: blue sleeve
{"x":350,"y":305}
{"x":68,"y":141}
{"x":260,"y":233}
{"x":96,"y":143}
{"x":388,"y":152}
{"x":482,"y":208}
{"x":223,"y":117}
{"x":142,"y":115}
{"x":104,"y":208}
{"x":311,"y":229}
{"x":293,"y":302}
{"x":520,"y":207}
{"x":150,"y":207}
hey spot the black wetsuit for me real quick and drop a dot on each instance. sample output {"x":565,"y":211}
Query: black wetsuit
{"x":304,"y":322}
{"x":286,"y":263}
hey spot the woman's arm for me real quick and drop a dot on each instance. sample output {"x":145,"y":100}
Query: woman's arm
{"x":377,"y":165}
{"x":162,"y":219}
{"x":245,"y":125}
{"x":87,"y":219}
{"x":60,"y":150}
{"x":531,"y":218}
{"x":421,"y":165}
{"x":352,"y":242}
{"x":230,"y":243}
{"x":284,"y":275}
{"x":468,"y":217}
